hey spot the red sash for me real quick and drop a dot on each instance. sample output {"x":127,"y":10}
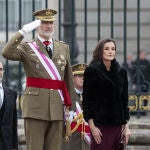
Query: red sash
{"x":50,"y":84}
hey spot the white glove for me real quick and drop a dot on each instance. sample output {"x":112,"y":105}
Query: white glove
{"x":71,"y":115}
{"x":31,"y":26}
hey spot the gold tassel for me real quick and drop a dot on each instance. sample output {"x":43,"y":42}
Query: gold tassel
{"x":68,"y":128}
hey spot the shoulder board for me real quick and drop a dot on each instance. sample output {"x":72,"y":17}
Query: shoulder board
{"x":30,"y":41}
{"x":61,"y":42}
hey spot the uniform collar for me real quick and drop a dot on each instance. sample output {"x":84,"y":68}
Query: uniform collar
{"x":42,"y":40}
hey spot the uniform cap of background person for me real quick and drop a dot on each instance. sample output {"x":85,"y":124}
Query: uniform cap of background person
{"x":45,"y":14}
{"x":78,"y":68}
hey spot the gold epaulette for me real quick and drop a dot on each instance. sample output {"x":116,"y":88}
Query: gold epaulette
{"x":78,"y":119}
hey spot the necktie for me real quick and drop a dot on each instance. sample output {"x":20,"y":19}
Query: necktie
{"x":80,"y":96}
{"x":48,"y":49}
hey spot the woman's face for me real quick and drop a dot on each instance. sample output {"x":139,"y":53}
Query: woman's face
{"x":109,"y":51}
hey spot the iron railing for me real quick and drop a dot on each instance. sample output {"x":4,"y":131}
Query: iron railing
{"x":139,"y":100}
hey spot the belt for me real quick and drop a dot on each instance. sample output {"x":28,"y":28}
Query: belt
{"x":50,"y":84}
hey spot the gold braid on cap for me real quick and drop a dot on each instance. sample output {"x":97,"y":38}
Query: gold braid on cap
{"x":82,"y":67}
{"x":45,"y":17}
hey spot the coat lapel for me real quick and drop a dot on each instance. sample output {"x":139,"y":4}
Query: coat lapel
{"x":6,"y":96}
{"x":41,"y":47}
{"x":102,"y":73}
{"x":56,"y":49}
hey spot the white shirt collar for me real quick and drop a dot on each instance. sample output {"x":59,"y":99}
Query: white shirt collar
{"x":78,"y":91}
{"x":1,"y":92}
{"x":1,"y":85}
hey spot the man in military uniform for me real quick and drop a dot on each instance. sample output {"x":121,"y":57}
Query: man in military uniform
{"x":49,"y":83}
{"x":77,"y":141}
{"x":78,"y":71}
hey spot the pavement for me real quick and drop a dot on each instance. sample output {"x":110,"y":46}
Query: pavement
{"x":139,"y":139}
{"x":140,"y":129}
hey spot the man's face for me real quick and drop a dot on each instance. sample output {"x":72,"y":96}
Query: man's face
{"x":46,"y":29}
{"x":78,"y":81}
{"x":1,"y":72}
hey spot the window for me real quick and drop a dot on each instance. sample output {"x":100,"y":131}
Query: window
{"x":13,"y":12}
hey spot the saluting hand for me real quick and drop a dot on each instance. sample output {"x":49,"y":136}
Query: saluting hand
{"x":31,"y":26}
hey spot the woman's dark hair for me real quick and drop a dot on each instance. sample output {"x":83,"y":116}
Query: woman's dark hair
{"x":98,"y":51}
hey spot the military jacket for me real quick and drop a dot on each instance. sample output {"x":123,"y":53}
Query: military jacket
{"x":41,"y":103}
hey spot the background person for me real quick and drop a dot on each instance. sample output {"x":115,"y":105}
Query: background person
{"x":129,"y":66}
{"x":8,"y":116}
{"x":144,"y":71}
{"x":47,"y":66}
{"x":77,"y":141}
{"x":78,"y":71}
{"x":105,"y":98}
{"x":142,"y":68}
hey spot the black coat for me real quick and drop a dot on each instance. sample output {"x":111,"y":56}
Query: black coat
{"x":105,"y":94}
{"x":8,"y":121}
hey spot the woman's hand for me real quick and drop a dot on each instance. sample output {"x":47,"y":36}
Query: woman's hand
{"x":126,"y":133}
{"x":95,"y":132}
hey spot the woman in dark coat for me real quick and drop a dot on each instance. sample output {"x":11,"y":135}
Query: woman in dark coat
{"x":105,"y":98}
